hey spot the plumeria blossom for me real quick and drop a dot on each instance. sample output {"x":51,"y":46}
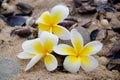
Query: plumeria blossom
{"x":48,"y":21}
{"x":79,"y":55}
{"x":40,"y":48}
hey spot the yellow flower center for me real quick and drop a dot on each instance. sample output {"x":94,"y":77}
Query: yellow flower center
{"x":78,"y":53}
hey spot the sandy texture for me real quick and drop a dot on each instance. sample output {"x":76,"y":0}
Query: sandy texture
{"x":11,"y":46}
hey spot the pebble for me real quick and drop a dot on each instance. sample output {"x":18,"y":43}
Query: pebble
{"x":8,"y":8}
{"x":103,"y":60}
{"x":30,"y":21}
{"x":85,"y":34}
{"x":8,"y":68}
{"x":104,"y":1}
{"x":105,"y":22}
{"x":68,"y":42}
{"x":100,"y":1}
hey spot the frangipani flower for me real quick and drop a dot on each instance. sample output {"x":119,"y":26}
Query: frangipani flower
{"x":48,"y":21}
{"x":79,"y":55}
{"x":40,"y":48}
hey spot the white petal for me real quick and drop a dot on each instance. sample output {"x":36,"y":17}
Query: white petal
{"x":27,"y":45}
{"x":76,"y":38}
{"x":38,"y":21}
{"x":44,"y":18}
{"x":46,"y":36}
{"x":50,"y":62}
{"x":64,"y":49}
{"x":39,"y":33}
{"x":63,"y":10}
{"x":61,"y":32}
{"x":93,"y":63}
{"x":32,"y":62}
{"x":92,"y":48}
{"x":24,"y":55}
{"x":72,"y":64}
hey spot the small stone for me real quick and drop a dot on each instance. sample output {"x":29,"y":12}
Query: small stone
{"x":8,"y":68}
{"x":100,"y":1}
{"x":104,"y":1}
{"x":21,"y":32}
{"x":68,"y":42}
{"x":9,"y":9}
{"x":30,"y":21}
{"x":5,"y":5}
{"x":84,"y":33}
{"x":114,"y":39}
{"x":25,"y":8}
{"x":117,"y":7}
{"x":103,"y":60}
{"x":16,"y":21}
{"x":99,"y":34}
{"x":104,"y":22}
{"x":115,"y":48}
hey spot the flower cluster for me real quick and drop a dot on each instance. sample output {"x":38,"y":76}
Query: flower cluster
{"x":49,"y":33}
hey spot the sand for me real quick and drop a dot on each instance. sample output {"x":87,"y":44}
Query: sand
{"x":12,"y":46}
